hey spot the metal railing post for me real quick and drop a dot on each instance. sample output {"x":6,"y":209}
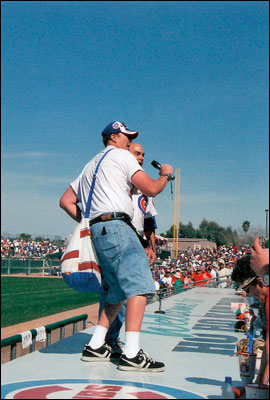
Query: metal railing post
{"x":48,"y":340}
{"x":32,"y":347}
{"x":62,"y":332}
{"x":13,"y":351}
{"x":29,"y":267}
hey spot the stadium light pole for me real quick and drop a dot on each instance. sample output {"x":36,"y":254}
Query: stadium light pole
{"x":266,"y":223}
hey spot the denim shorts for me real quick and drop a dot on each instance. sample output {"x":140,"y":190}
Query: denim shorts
{"x":123,"y":262}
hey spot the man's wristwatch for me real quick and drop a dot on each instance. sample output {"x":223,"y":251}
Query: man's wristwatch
{"x":167,"y":176}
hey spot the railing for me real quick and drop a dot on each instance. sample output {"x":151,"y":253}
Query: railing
{"x":173,"y":290}
{"x":29,"y":266}
{"x":13,"y":340}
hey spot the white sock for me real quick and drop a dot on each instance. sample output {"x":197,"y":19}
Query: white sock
{"x":132,"y":345}
{"x":98,"y":338}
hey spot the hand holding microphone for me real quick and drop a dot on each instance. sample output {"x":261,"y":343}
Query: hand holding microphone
{"x":165,"y":169}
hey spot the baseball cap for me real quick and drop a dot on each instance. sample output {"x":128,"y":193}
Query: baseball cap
{"x":117,"y":127}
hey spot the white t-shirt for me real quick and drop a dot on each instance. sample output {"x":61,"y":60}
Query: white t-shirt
{"x":221,"y":276}
{"x":112,"y":191}
{"x":157,"y":285}
{"x":143,"y":208}
{"x":213,"y":273}
{"x":230,"y":270}
{"x":167,"y":280}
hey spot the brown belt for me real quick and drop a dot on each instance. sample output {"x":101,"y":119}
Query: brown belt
{"x":109,"y":217}
{"x":122,"y":217}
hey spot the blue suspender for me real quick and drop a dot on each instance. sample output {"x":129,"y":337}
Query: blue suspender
{"x":88,"y":205}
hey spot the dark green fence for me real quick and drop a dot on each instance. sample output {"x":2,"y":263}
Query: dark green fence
{"x":30,"y":266}
{"x":13,"y":340}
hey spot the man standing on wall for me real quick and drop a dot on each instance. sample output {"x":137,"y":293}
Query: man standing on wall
{"x":117,"y":245}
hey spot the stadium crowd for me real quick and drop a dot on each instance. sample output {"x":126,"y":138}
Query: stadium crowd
{"x":193,"y":266}
{"x":18,"y":248}
{"x":190,"y":267}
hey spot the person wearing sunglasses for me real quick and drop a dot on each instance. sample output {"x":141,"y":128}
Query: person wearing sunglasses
{"x":255,"y":287}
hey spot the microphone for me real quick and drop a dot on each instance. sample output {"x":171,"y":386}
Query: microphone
{"x":157,"y":165}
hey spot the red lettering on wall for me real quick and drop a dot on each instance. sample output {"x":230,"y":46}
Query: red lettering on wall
{"x":98,"y":392}
{"x":39,"y":392}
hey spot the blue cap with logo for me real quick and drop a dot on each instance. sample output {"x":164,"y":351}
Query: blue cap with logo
{"x":119,"y":127}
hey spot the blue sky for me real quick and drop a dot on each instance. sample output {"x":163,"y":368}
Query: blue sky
{"x":191,"y":77}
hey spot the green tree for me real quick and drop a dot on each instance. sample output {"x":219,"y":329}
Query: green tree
{"x":185,"y":231}
{"x":39,"y":239}
{"x":209,"y":230}
{"x":231,"y":236}
{"x":215,"y":233}
{"x":25,"y":236}
{"x":245,"y":226}
{"x":169,"y":233}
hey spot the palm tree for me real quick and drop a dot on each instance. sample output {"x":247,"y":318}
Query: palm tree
{"x":245,"y":226}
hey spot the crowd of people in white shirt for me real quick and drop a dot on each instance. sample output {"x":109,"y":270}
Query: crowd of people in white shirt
{"x":190,"y":266}
{"x":194,"y":265}
{"x":18,"y":248}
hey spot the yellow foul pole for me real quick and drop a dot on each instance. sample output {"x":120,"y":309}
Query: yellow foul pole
{"x":174,"y":218}
{"x":177,"y":223}
{"x":176,"y":213}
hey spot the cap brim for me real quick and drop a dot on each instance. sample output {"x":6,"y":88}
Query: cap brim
{"x":128,"y":132}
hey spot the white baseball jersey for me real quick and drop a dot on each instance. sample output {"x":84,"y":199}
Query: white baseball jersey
{"x":143,"y":208}
{"x":112,"y":191}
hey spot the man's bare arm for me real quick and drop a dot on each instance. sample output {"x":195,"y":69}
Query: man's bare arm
{"x":69,"y":202}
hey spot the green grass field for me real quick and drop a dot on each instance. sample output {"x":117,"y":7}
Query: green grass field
{"x":24,"y":299}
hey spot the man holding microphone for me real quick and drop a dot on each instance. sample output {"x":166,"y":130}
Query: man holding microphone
{"x":124,"y":265}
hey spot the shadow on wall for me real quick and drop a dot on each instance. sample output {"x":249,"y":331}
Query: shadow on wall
{"x":70,"y":345}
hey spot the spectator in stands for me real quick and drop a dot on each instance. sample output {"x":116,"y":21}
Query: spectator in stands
{"x":188,"y":281}
{"x":255,"y":287}
{"x":222,"y":274}
{"x":157,"y":285}
{"x":229,"y":267}
{"x":201,"y":275}
{"x":178,"y":285}
{"x":161,"y":273}
{"x":213,"y":273}
{"x":161,"y":284}
{"x":234,"y":247}
{"x":18,"y":248}
{"x":205,"y":274}
{"x":167,"y":280}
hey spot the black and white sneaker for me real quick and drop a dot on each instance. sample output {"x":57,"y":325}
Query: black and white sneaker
{"x":117,"y":349}
{"x":141,"y":362}
{"x":103,"y":353}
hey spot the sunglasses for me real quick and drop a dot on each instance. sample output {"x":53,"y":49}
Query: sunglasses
{"x":253,"y":283}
